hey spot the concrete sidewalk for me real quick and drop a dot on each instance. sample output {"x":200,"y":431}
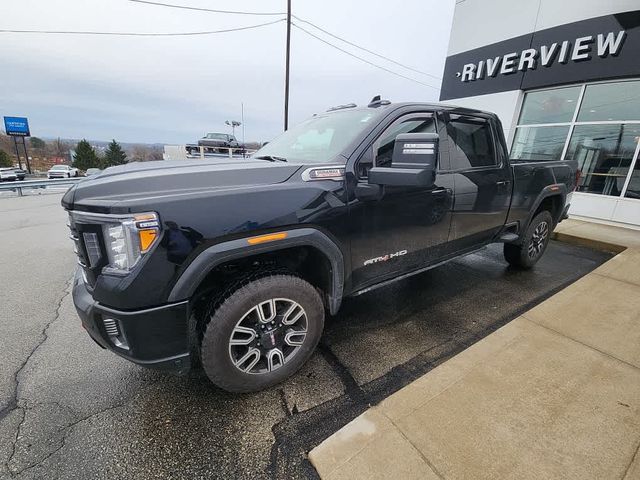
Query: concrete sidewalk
{"x":553,"y":394}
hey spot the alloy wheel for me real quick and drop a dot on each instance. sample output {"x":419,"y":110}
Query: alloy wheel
{"x":538,"y":240}
{"x":268,"y":336}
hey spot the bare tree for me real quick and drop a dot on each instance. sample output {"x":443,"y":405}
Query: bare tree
{"x":58,"y":148}
{"x":145,"y":153}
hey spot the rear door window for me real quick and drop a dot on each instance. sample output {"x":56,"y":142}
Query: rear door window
{"x":471,"y":143}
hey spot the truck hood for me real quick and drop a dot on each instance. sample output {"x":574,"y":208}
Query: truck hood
{"x":124,"y":188}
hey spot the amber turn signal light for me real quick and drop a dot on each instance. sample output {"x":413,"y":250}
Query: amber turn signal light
{"x":267,"y":238}
{"x":147,"y":237}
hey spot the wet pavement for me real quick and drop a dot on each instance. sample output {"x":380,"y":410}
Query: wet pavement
{"x":71,"y":410}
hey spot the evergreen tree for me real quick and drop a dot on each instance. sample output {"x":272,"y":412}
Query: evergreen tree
{"x":37,"y":143}
{"x":5,"y":159}
{"x":85,"y":156}
{"x":114,"y":155}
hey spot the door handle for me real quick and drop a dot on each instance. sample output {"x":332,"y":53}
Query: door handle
{"x":503,"y":182}
{"x":439,"y":190}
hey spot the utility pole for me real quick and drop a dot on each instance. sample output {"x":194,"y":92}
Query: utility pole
{"x":286,"y":78}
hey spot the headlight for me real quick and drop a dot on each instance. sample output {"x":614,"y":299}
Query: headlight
{"x":128,"y":239}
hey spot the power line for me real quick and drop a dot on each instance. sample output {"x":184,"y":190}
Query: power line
{"x":371,"y":52}
{"x":140,"y":34}
{"x":362,"y":59}
{"x":362,"y":48}
{"x":186,"y":7}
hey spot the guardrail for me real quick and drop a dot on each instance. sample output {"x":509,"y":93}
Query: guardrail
{"x":18,"y":185}
{"x":191,"y":151}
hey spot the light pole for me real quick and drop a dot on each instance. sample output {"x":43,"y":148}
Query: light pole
{"x":233,"y":124}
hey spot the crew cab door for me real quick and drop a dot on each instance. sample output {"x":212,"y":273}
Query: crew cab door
{"x":482,"y":179}
{"x":405,"y":227}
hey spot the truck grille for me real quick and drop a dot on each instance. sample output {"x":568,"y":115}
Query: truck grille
{"x":77,"y":245}
{"x":87,"y":245}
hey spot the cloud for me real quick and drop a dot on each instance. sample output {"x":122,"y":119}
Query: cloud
{"x":173,"y":90}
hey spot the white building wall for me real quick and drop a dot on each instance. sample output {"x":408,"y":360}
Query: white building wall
{"x":478,"y":23}
{"x":559,"y":12}
{"x":474,"y":27}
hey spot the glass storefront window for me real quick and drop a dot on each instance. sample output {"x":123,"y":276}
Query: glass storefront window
{"x":633,"y":190}
{"x":604,"y":154}
{"x":603,"y":122}
{"x":549,"y":106}
{"x":610,"y":101}
{"x":539,"y":144}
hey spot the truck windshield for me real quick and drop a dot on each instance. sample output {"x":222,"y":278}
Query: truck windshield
{"x":216,"y":136}
{"x":320,"y":138}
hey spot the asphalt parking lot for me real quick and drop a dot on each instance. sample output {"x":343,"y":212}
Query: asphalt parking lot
{"x":71,"y":410}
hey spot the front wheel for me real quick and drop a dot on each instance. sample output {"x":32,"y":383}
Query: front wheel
{"x":534,"y":243}
{"x":262,"y":333}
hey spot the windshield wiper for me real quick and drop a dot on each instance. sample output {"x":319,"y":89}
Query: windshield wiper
{"x":271,"y":158}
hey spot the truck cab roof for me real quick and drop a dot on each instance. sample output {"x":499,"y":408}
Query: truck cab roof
{"x":393,"y":106}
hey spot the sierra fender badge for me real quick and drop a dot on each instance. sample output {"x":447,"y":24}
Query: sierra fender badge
{"x":384,"y":258}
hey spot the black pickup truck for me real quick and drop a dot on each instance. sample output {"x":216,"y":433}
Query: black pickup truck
{"x":232,"y":265}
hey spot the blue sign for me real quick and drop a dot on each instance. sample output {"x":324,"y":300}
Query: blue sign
{"x":17,"y":126}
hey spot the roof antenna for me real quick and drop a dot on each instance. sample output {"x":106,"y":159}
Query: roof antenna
{"x":377,"y":101}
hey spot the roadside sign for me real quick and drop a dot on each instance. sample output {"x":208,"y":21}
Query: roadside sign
{"x":17,"y":126}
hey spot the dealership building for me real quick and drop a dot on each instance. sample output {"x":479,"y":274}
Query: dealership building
{"x":564,"y":77}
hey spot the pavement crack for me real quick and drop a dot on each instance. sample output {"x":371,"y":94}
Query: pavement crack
{"x":633,"y":459}
{"x":13,"y":402}
{"x":415,"y":447}
{"x":65,"y":433}
{"x":14,"y":443}
{"x":284,"y":404}
{"x":351,"y":387}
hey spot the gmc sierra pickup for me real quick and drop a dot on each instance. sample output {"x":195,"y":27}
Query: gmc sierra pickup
{"x":232,"y":265}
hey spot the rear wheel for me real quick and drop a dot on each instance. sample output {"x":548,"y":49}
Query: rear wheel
{"x":534,"y":243}
{"x":262,"y":333}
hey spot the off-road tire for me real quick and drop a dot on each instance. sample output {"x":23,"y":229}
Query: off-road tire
{"x":519,"y":255}
{"x":214,"y":348}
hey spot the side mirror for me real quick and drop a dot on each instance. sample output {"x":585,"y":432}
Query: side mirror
{"x":414,"y":160}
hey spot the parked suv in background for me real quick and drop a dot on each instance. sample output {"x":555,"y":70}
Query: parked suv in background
{"x":62,"y":171}
{"x":233,"y":264}
{"x":8,"y":175}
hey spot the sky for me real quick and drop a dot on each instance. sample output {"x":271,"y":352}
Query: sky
{"x":175,"y":89}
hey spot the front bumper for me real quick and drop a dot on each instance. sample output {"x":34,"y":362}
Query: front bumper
{"x":153,"y":337}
